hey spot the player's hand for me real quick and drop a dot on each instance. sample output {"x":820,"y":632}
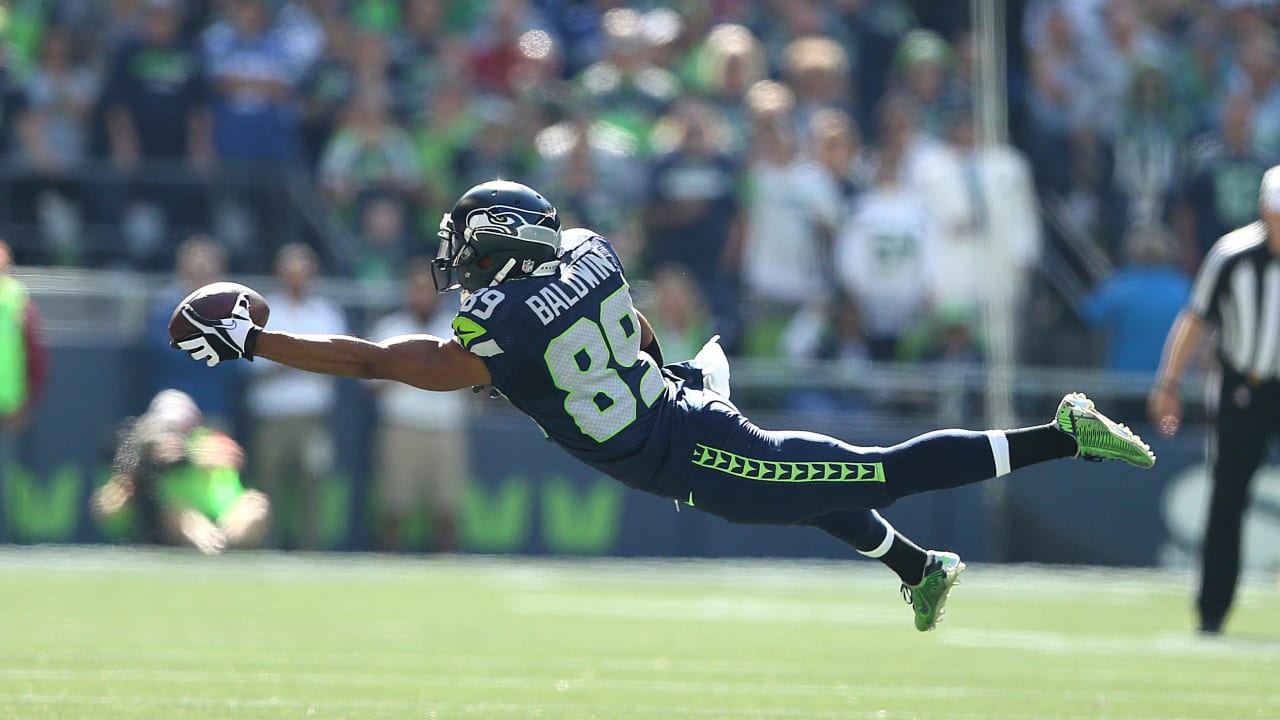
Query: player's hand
{"x":226,"y":339}
{"x":111,"y":498}
{"x":201,"y":533}
{"x":217,"y":450}
{"x":1165,"y":408}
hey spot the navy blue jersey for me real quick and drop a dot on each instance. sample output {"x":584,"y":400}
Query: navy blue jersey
{"x":564,"y":348}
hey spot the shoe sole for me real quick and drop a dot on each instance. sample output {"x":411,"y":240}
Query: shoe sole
{"x":1082,"y":405}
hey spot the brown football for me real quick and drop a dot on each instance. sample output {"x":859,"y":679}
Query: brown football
{"x":216,"y":301}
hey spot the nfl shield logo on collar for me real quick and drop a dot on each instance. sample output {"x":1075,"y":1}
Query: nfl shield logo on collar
{"x":526,"y":266}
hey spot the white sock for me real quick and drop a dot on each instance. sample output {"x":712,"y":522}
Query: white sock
{"x":999,"y":450}
{"x":885,"y":544}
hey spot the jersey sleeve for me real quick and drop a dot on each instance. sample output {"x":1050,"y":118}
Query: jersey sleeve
{"x":1207,"y":280}
{"x":487,"y":327}
{"x":580,"y":241}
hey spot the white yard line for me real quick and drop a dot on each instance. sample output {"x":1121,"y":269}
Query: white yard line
{"x":421,"y":708}
{"x":713,"y":608}
{"x":1183,"y":644}
{"x":1191,"y":696}
{"x":521,"y":710}
{"x":286,"y":664}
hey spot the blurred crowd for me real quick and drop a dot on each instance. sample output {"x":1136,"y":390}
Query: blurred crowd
{"x":803,"y":176}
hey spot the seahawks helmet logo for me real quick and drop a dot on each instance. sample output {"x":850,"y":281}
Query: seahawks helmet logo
{"x":512,"y":222}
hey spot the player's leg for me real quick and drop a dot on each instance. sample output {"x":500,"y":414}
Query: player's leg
{"x":1237,"y":448}
{"x":245,"y":523}
{"x":746,"y":474}
{"x":871,"y":535}
{"x":945,"y":459}
{"x":786,"y":477}
{"x":1078,"y":430}
{"x":927,"y":575}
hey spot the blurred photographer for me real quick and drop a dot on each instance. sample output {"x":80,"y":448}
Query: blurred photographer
{"x":181,"y":481}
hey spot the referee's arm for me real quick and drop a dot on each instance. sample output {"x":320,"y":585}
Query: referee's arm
{"x":1179,"y":347}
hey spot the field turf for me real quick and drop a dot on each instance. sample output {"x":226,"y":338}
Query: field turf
{"x":107,"y":634}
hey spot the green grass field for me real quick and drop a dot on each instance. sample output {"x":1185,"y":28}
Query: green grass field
{"x":104,"y":634}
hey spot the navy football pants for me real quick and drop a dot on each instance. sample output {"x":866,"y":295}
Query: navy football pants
{"x":745,"y":474}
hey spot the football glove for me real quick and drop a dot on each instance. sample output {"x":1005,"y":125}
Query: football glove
{"x":714,"y":366}
{"x":226,"y":339}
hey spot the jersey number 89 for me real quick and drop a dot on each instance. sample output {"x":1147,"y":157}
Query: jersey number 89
{"x":598,"y":400}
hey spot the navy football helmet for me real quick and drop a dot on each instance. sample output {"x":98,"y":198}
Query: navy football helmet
{"x":497,"y":231}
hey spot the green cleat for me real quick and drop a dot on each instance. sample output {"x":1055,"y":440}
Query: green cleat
{"x":929,"y":597}
{"x":1098,"y":436}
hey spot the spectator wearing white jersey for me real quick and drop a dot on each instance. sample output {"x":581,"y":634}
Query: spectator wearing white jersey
{"x":983,"y":201}
{"x":792,"y":210}
{"x":886,"y":261}
{"x":421,"y":454}
{"x":291,"y":409}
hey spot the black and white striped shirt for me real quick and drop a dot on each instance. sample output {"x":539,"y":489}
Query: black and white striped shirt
{"x":1238,"y":287}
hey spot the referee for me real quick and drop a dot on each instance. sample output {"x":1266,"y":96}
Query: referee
{"x":1237,"y":291}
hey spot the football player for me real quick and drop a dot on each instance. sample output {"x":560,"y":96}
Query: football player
{"x":547,"y":320}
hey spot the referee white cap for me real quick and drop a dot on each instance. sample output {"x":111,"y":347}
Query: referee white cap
{"x":1269,"y":195}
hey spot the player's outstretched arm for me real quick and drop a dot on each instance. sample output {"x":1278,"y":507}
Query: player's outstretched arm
{"x":424,"y":361}
{"x":649,"y":340}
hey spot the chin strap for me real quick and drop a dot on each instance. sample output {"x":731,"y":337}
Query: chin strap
{"x":502,"y":274}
